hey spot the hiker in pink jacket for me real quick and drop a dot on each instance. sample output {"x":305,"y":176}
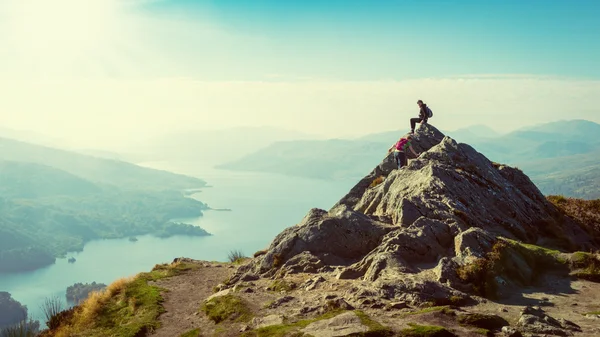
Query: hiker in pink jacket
{"x":400,"y":149}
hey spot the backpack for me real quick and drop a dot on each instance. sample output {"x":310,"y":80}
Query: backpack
{"x":429,"y":112}
{"x":401,"y":143}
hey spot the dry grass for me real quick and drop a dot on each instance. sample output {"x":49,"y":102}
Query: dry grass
{"x":127,"y":307}
{"x":376,"y":181}
{"x":277,"y":260}
{"x":585,"y":212}
{"x":236,"y":256}
{"x":260,"y":253}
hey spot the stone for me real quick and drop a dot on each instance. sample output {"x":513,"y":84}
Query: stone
{"x":219,"y":294}
{"x":341,"y":325}
{"x":534,"y":320}
{"x":398,"y":305}
{"x":312,"y":283}
{"x":509,"y":331}
{"x":280,"y":301}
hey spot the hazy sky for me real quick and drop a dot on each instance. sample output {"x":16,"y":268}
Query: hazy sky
{"x":76,"y":69}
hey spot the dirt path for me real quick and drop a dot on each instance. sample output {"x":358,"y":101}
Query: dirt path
{"x":185,"y":295}
{"x":559,"y":298}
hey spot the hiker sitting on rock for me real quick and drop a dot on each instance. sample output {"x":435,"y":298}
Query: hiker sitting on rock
{"x":400,"y":150}
{"x":424,"y":114}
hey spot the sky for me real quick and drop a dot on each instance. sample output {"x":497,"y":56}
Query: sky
{"x":105,"y":72}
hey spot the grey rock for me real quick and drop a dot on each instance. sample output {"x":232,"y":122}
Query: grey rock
{"x":341,"y":325}
{"x":474,"y":242}
{"x":312,"y":283}
{"x":338,"y":303}
{"x":219,"y":294}
{"x":509,"y":331}
{"x":398,"y":305}
{"x":280,"y":301}
{"x":535,"y":321}
{"x":304,"y":262}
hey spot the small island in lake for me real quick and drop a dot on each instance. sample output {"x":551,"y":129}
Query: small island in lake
{"x":80,"y":291}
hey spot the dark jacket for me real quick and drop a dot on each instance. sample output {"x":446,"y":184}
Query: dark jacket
{"x":423,"y":112}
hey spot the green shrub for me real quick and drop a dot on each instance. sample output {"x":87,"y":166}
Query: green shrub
{"x":226,"y":307}
{"x":417,"y":330}
{"x":191,"y":333}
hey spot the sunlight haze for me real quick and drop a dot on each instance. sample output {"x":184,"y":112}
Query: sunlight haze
{"x":103,"y":73}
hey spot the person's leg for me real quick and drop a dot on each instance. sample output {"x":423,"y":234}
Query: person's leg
{"x":413,"y":122}
{"x":397,"y":159}
{"x":403,"y":161}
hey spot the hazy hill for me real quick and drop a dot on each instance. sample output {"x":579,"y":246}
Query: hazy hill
{"x":54,"y":201}
{"x":98,"y":170}
{"x":28,"y":180}
{"x":573,"y":144}
{"x":215,"y":146}
{"x":334,"y":158}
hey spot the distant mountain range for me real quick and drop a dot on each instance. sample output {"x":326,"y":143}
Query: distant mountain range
{"x":560,"y":157}
{"x":210,"y":147}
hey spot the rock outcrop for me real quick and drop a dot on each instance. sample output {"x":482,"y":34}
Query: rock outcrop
{"x":450,"y":245}
{"x":406,"y":232}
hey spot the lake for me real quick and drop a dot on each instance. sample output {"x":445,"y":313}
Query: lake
{"x":262,"y":205}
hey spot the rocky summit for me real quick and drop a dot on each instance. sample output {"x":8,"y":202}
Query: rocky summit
{"x":452,"y":244}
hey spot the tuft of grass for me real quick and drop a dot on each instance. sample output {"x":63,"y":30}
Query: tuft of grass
{"x":128,"y":307}
{"x":191,"y":333}
{"x":226,"y":307}
{"x":586,"y":265}
{"x":236,"y":256}
{"x":375,"y":329}
{"x":481,"y":272}
{"x":417,"y":330}
{"x":484,"y":332}
{"x":557,"y":199}
{"x":376,"y":181}
{"x":260,"y":253}
{"x":277,"y":260}
{"x":585,"y":212}
{"x":443,"y":309}
{"x":51,"y":309}
{"x":593,"y":313}
{"x":25,"y":328}
{"x":281,"y":285}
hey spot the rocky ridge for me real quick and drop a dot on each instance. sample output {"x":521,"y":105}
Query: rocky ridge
{"x":450,"y":245}
{"x":451,"y":228}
